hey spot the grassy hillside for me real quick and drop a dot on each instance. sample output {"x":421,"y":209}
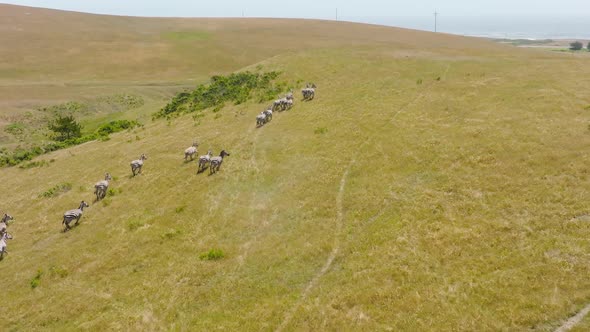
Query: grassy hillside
{"x":432,"y":185}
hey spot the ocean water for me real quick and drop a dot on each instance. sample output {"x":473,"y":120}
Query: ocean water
{"x":492,"y":27}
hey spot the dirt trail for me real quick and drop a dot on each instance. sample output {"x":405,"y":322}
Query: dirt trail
{"x":340,"y":218}
{"x":335,"y":249}
{"x":577,"y":319}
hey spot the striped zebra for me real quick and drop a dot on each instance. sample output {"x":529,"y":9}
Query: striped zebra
{"x":309,"y":91}
{"x":203,"y":161}
{"x":4,"y":223}
{"x":5,"y":236}
{"x":261,"y":119}
{"x":279,"y":104}
{"x":75,"y":214}
{"x":268,"y":114}
{"x":136,"y":165}
{"x":289,"y":95}
{"x":101,"y":187}
{"x":216,"y":162}
{"x":191,"y":151}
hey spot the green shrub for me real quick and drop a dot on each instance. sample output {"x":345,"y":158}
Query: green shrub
{"x":576,"y":46}
{"x":20,"y":155}
{"x":237,"y":88}
{"x":65,"y":128}
{"x":116,"y":126}
{"x":212,"y":255}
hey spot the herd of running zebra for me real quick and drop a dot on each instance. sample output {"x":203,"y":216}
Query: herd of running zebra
{"x":214,"y":164}
{"x":284,"y":104}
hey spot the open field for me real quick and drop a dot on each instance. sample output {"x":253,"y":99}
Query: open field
{"x":432,"y":185}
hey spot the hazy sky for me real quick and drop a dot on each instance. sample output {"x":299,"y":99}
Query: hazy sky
{"x":320,"y":8}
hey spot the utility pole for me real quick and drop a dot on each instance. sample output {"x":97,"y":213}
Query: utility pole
{"x":435,"y":20}
{"x":336,"y":14}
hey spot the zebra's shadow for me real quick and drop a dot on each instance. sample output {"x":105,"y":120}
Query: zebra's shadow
{"x":199,"y":171}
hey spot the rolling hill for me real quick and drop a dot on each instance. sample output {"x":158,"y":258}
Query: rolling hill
{"x":435,"y":183}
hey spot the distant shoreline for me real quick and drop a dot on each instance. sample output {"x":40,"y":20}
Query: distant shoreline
{"x":539,"y":43}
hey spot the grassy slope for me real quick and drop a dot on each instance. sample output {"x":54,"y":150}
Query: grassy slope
{"x":455,"y":211}
{"x":55,"y":57}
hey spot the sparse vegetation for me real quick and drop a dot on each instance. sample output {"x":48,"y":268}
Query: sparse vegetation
{"x":56,"y":190}
{"x":33,"y":164}
{"x":58,"y":271}
{"x":16,"y":128}
{"x":134,"y":224}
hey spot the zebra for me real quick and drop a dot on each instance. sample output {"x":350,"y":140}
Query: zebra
{"x":73,"y":215}
{"x":277,"y":104}
{"x":4,"y":223}
{"x":309,"y":91}
{"x":216,"y":162}
{"x":192,"y":151}
{"x":268,"y":114}
{"x":289,"y":95}
{"x":289,"y":104}
{"x":203,"y":161}
{"x":261,"y":119}
{"x":100,"y":188}
{"x":5,"y":236}
{"x":136,"y":165}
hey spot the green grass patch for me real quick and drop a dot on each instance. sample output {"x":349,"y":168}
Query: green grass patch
{"x":320,"y":130}
{"x":36,"y":281}
{"x":56,"y":190}
{"x":33,"y":164}
{"x":134,"y":224}
{"x":170,"y":234}
{"x":212,"y":255}
{"x":58,"y":271}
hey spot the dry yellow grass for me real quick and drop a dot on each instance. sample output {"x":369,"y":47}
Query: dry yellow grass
{"x":444,"y":185}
